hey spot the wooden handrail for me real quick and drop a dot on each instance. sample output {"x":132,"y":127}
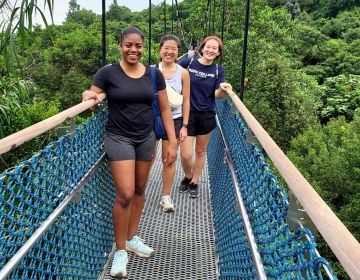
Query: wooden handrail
{"x":15,"y":140}
{"x":343,"y":244}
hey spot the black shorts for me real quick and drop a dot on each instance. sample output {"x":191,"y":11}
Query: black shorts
{"x":201,"y":123}
{"x":178,"y":125}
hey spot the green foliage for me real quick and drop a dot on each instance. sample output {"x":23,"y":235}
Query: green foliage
{"x":330,"y":8}
{"x":118,"y":13}
{"x":329,"y":158}
{"x":17,"y":20}
{"x":343,"y":23}
{"x":73,"y":84}
{"x":293,"y":8}
{"x":350,"y":215}
{"x":68,"y":63}
{"x":340,"y":96}
{"x":83,"y":17}
{"x":282,"y":100}
{"x":29,"y":114}
{"x":14,"y":93}
{"x":329,"y":48}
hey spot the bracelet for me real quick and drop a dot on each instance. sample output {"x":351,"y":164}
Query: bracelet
{"x":185,"y":125}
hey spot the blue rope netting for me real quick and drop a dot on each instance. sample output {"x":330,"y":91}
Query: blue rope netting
{"x":76,"y":246}
{"x":285,"y":254}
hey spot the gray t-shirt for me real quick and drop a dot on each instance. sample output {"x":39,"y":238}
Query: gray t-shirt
{"x":130,"y":100}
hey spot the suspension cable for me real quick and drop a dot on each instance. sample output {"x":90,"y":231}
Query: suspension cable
{"x":103,"y":24}
{"x":213,"y":21}
{"x":222,"y":26}
{"x":243,"y":66}
{"x":206,"y":18}
{"x":172,"y":16}
{"x":180,"y":22}
{"x":164,"y":17}
{"x":149,"y":59}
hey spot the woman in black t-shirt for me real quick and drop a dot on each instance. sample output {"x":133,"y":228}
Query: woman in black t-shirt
{"x":130,"y":140}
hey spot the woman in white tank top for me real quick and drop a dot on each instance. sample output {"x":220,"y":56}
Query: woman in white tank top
{"x":178,"y":78}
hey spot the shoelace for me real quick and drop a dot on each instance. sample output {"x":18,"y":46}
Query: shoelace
{"x":137,"y":241}
{"x":118,"y":257}
{"x":167,"y":200}
{"x":193,"y":186}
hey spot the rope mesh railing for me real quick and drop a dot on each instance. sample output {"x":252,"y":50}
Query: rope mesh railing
{"x":285,"y":254}
{"x":76,"y":246}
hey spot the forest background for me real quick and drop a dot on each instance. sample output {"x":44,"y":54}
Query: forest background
{"x":302,"y":79}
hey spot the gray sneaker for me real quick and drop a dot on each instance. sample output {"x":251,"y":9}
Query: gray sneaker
{"x":193,"y":190}
{"x":184,"y":185}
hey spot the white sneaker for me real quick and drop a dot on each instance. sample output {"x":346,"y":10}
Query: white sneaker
{"x":166,"y":204}
{"x":138,"y":247}
{"x":118,"y":268}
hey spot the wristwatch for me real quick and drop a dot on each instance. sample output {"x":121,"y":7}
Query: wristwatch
{"x":185,"y":125}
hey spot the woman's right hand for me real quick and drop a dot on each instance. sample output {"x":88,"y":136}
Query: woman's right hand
{"x":171,"y":153}
{"x":89,"y":94}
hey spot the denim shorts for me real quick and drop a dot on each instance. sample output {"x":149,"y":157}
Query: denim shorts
{"x":118,"y":147}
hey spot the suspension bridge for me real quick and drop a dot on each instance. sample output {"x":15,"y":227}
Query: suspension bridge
{"x":56,"y":210}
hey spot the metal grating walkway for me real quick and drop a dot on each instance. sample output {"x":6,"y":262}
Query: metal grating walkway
{"x":183,"y":240}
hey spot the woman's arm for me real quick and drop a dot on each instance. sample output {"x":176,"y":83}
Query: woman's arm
{"x":169,"y":126}
{"x":185,"y":77}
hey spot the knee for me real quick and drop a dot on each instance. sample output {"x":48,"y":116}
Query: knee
{"x":186,"y":156}
{"x":140,"y":189}
{"x":200,"y":152}
{"x":123,"y":200}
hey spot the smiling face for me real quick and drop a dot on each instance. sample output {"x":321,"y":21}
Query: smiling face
{"x":132,"y":48}
{"x":211,"y":49}
{"x":169,"y":51}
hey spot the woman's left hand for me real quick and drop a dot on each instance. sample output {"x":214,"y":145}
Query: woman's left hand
{"x":182,"y":135}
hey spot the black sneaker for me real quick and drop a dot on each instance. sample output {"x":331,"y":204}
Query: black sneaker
{"x":193,"y":190}
{"x":184,"y":185}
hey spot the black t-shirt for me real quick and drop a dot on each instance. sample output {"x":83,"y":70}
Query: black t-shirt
{"x":130,"y":100}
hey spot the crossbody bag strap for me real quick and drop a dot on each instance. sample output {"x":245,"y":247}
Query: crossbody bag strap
{"x":160,"y":67}
{"x":191,"y":60}
{"x":153,"y":78}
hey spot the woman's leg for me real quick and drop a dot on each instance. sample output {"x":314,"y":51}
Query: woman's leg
{"x":142,"y":170}
{"x":186,"y":149}
{"x":168,"y":173}
{"x":200,"y":156}
{"x":123,"y":173}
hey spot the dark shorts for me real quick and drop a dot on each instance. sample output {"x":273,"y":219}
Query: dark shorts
{"x":118,"y":147}
{"x":201,"y":123}
{"x":178,"y":125}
